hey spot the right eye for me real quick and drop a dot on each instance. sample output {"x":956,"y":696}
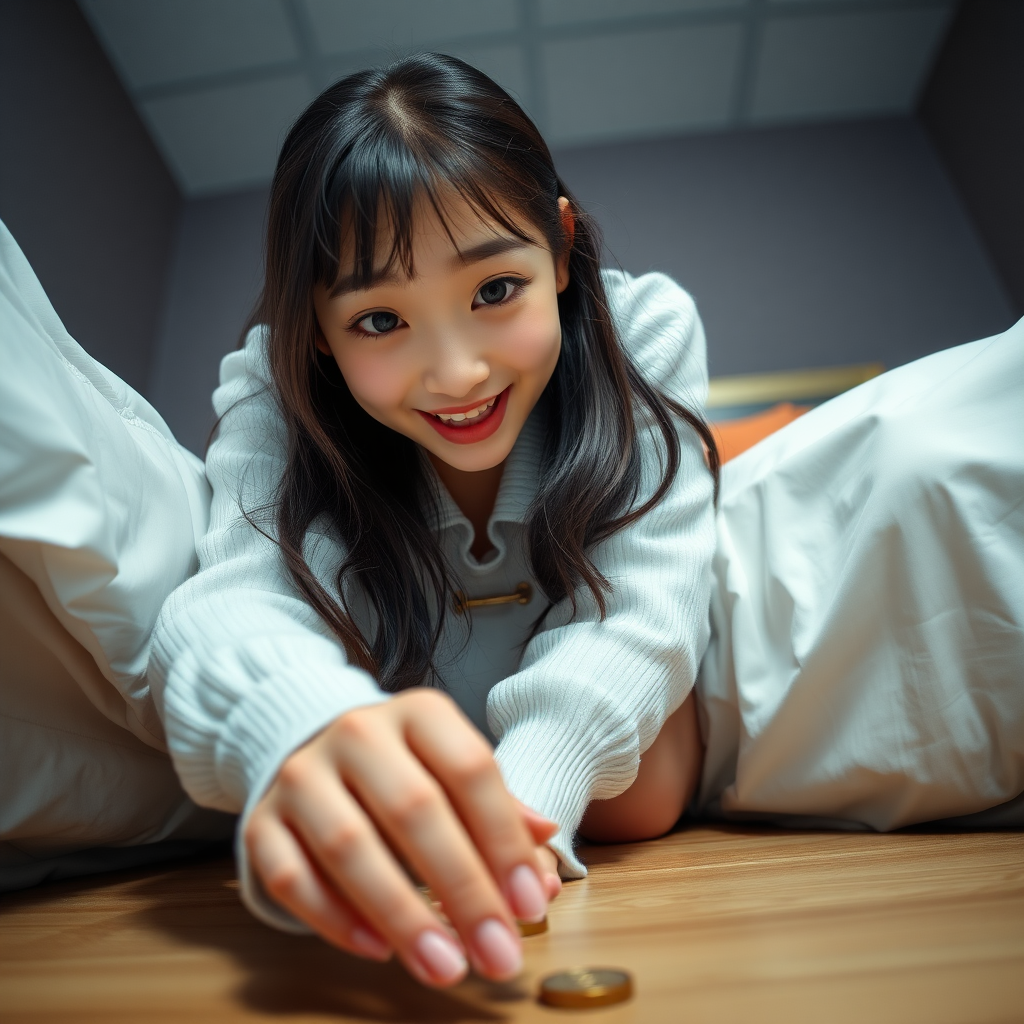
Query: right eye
{"x":379,"y":323}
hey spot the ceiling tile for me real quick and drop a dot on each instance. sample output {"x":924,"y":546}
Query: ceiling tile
{"x":845,"y":64}
{"x":567,"y":12}
{"x":828,"y":3}
{"x":640,"y":83}
{"x":221,"y":139}
{"x":162,"y":41}
{"x":340,"y":25}
{"x":335,"y":68}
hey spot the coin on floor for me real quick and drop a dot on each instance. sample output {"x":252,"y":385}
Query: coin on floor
{"x":583,"y":987}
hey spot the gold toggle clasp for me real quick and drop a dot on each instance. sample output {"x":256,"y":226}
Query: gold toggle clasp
{"x":522,"y":594}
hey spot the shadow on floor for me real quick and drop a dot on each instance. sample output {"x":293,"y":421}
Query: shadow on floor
{"x":288,"y":974}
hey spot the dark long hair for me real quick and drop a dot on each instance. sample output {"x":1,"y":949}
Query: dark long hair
{"x":363,"y":153}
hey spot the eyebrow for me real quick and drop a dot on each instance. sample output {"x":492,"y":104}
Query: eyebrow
{"x":462,"y":258}
{"x":352,"y":283}
{"x":485,"y":250}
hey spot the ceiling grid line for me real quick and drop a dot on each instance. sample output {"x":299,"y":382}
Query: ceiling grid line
{"x":305,"y":40}
{"x":788,"y":9}
{"x":217,"y":82}
{"x":735,"y":12}
{"x":536,"y":98}
{"x":809,"y":8}
{"x":747,"y":76}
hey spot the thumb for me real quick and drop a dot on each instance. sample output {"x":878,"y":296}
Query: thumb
{"x":541,"y":828}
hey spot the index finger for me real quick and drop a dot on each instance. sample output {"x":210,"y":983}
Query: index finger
{"x":462,"y":761}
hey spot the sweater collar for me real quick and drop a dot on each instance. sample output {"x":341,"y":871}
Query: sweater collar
{"x":520,"y":481}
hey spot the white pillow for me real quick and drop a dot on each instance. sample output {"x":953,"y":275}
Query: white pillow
{"x":99,"y":505}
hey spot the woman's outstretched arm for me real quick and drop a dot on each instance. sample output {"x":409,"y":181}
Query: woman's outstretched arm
{"x":339,"y":785}
{"x":577,"y":720}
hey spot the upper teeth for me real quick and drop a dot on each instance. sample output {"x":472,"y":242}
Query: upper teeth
{"x":458,"y":417}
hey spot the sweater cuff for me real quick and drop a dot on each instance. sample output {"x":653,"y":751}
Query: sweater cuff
{"x":557,"y":778}
{"x":297,"y":687}
{"x":280,"y":720}
{"x":315,"y":715}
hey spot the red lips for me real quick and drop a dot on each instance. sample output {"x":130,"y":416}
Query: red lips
{"x":480,"y":429}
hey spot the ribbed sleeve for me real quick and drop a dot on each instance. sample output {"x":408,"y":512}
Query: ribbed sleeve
{"x":243,"y":670}
{"x":591,"y":695}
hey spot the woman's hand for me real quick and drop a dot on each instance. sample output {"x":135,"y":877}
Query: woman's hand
{"x":549,"y":864}
{"x":409,"y":781}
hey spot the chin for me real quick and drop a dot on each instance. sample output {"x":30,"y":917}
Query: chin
{"x":475,"y":458}
{"x":475,"y":462}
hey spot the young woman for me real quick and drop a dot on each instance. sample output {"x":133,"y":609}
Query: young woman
{"x":462,"y":495}
{"x":446,"y":402}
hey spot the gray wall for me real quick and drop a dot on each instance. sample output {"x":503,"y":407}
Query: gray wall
{"x":808,"y":246}
{"x":82,"y":187}
{"x":973,"y":108}
{"x":213,"y":282}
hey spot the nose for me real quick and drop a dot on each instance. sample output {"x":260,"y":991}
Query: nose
{"x":455,"y":367}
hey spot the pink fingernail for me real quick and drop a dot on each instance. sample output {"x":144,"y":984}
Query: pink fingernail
{"x":441,"y":960}
{"x":369,"y":944}
{"x":526,"y":895}
{"x":498,"y":954}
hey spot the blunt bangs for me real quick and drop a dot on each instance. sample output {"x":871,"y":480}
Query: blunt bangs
{"x":396,"y":150}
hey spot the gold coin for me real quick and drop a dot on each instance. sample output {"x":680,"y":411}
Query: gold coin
{"x":533,"y":927}
{"x":586,"y":987}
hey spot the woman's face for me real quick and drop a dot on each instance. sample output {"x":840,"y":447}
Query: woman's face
{"x":456,"y":356}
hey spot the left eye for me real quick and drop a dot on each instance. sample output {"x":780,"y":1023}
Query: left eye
{"x":380,"y":323}
{"x":496,"y":291}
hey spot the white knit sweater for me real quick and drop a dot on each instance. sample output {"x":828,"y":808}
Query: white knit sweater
{"x":244,"y":671}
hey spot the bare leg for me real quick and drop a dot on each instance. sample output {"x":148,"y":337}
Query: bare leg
{"x":664,"y":785}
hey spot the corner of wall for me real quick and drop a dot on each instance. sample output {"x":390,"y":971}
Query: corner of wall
{"x":82,"y":186}
{"x":973,"y":111}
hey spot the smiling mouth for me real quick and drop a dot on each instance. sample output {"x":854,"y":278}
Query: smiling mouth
{"x":472,"y":423}
{"x":468,"y":417}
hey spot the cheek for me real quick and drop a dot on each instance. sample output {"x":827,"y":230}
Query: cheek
{"x":376,"y":379}
{"x":532,"y":342}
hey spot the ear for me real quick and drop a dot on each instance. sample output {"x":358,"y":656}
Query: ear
{"x":321,"y":342}
{"x":569,"y":227}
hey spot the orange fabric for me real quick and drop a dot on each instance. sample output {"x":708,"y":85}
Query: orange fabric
{"x":736,"y":436}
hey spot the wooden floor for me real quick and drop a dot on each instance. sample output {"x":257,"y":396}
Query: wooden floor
{"x":716,"y":925}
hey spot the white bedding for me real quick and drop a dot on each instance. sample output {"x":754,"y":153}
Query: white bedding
{"x":867,"y":662}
